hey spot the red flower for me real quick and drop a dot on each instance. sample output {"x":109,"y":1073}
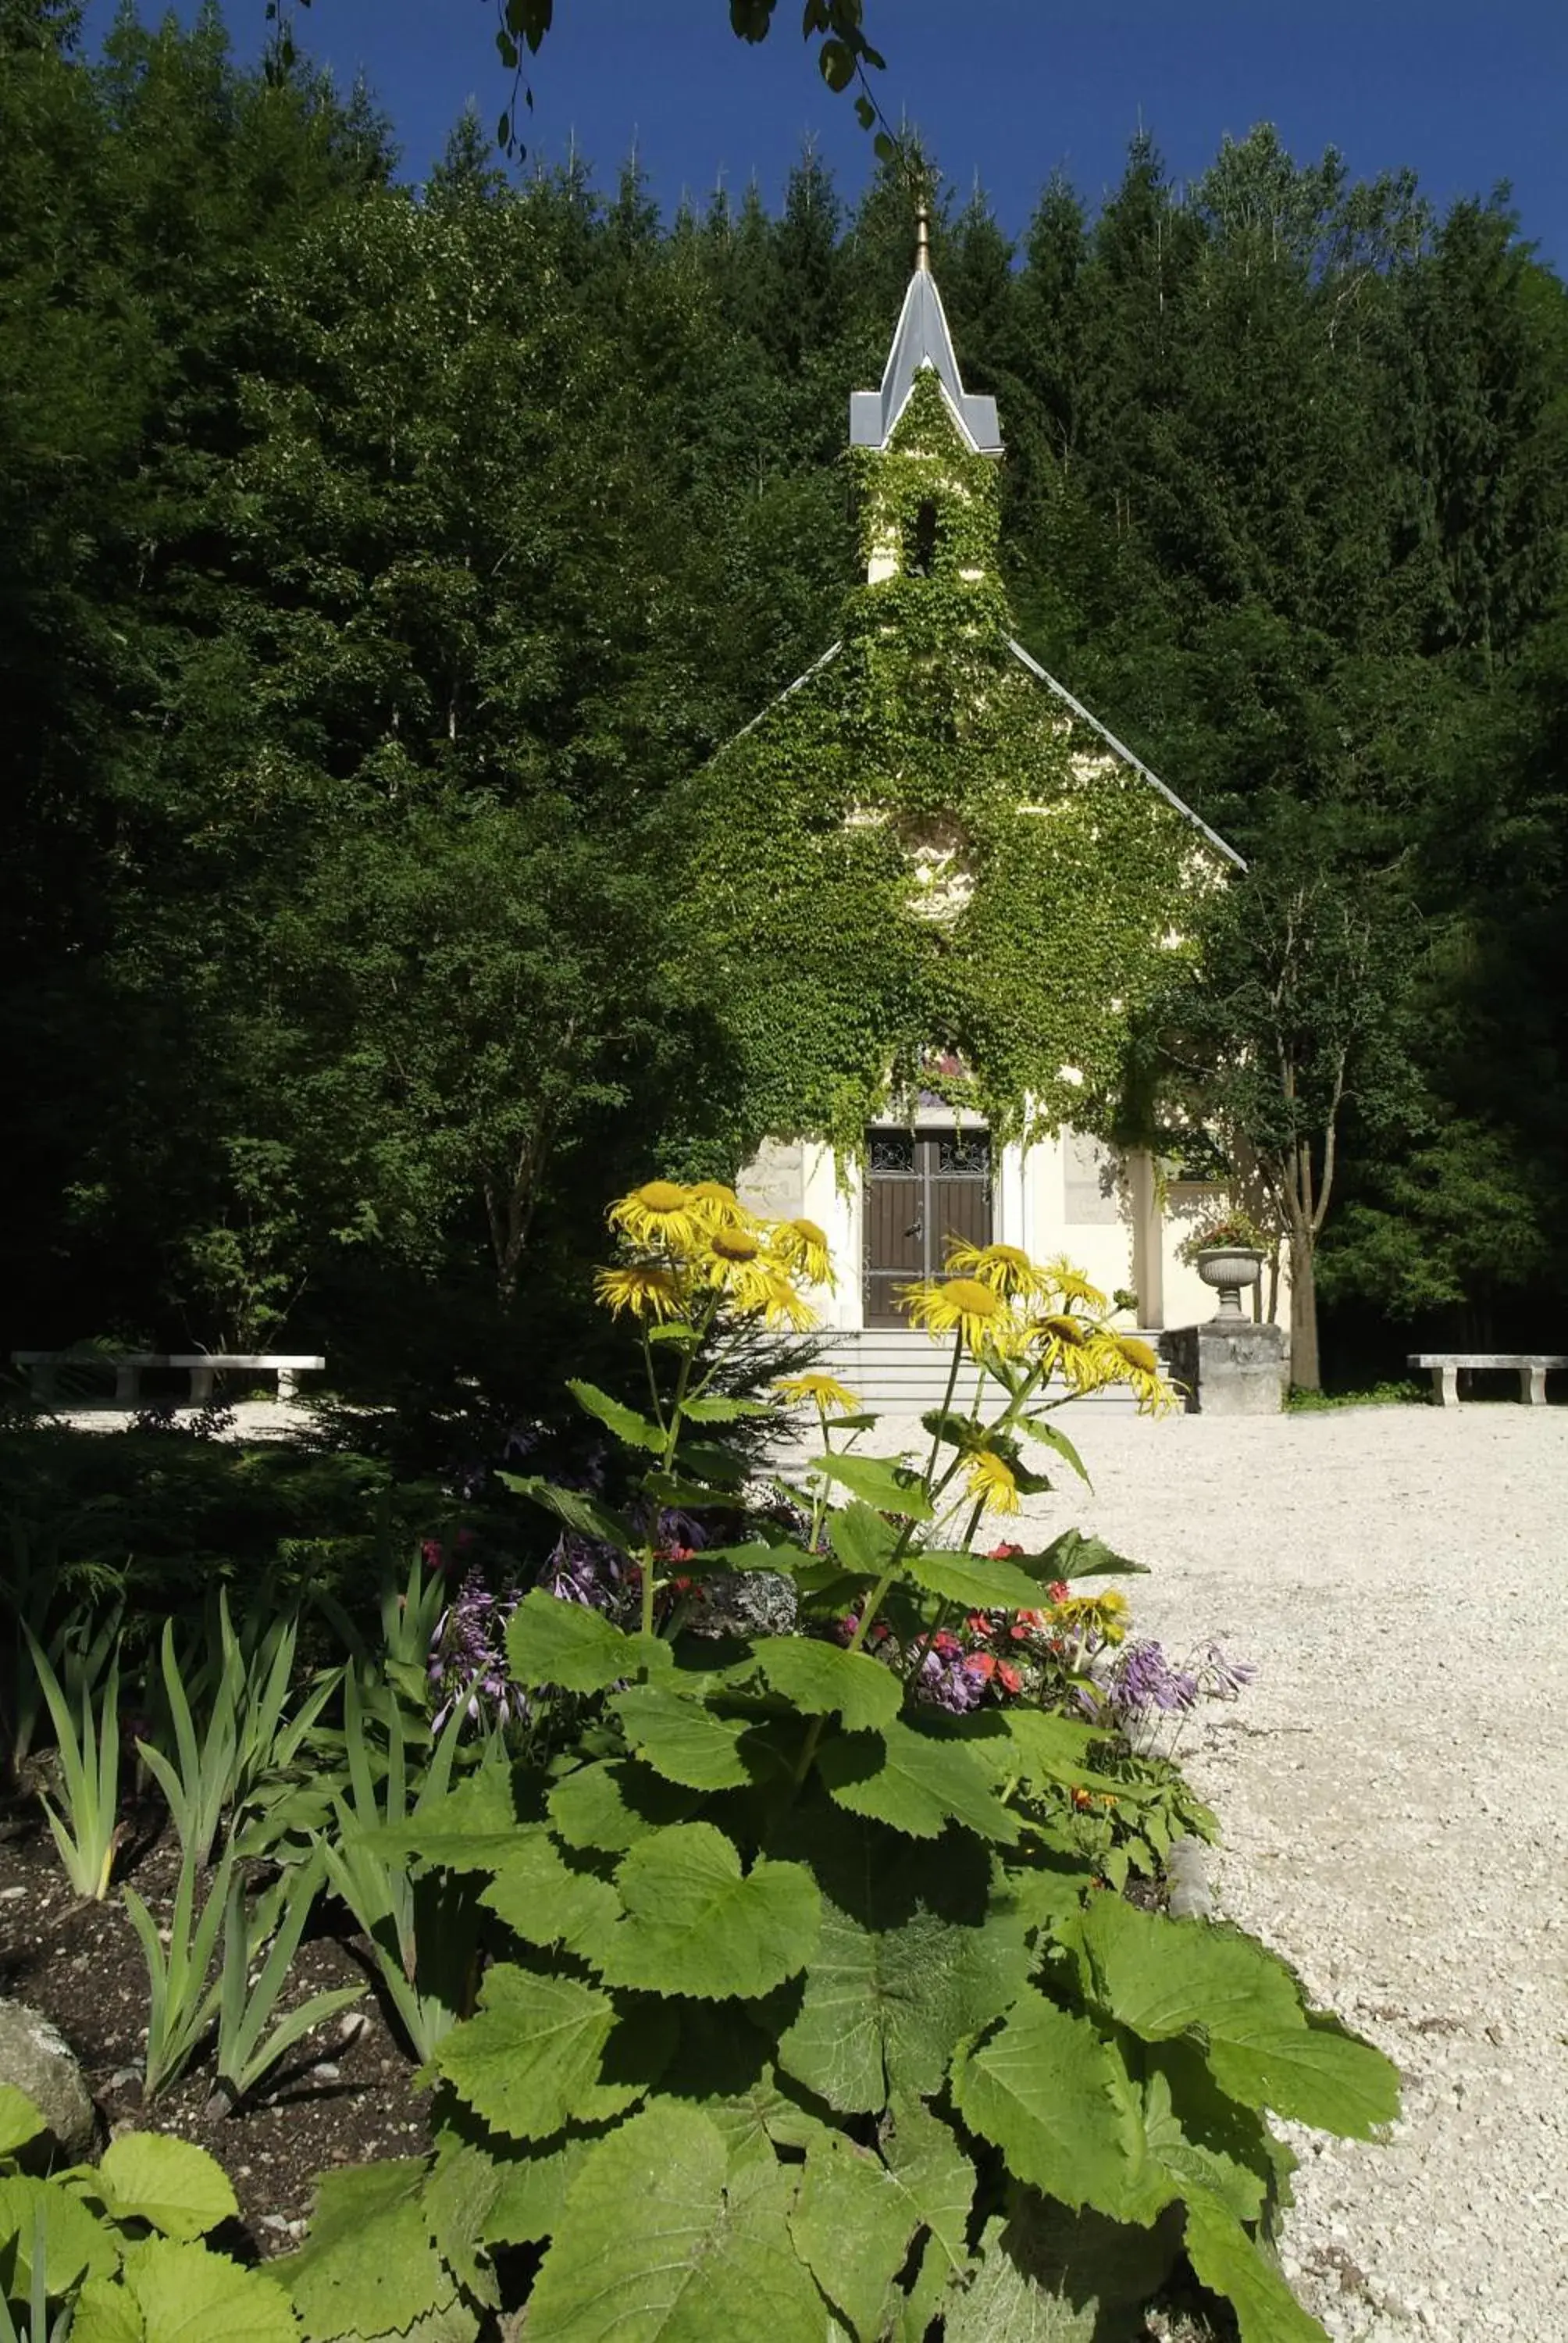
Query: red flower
{"x":981,"y":1664}
{"x":946,"y":1644}
{"x":1058,"y":1592}
{"x":433,"y":1554}
{"x":1004,"y":1553}
{"x":978,"y":1623}
{"x":1009,"y":1677}
{"x":1018,"y":1631}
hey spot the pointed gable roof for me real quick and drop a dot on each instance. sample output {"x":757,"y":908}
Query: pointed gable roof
{"x":922,"y":339}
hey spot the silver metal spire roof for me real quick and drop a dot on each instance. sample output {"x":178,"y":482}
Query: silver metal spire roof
{"x":922,"y":339}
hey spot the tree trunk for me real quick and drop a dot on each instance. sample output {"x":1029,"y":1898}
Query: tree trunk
{"x":1304,"y":1371}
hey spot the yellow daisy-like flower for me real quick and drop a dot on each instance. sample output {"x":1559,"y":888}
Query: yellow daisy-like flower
{"x":1071,"y":1285}
{"x":825,"y":1392}
{"x":991,"y":1481}
{"x":715,"y":1203}
{"x":659,"y":1213}
{"x":959,"y":1305}
{"x":1066,"y":1349}
{"x":646,"y":1289}
{"x":1131,"y":1361}
{"x":778,"y":1302}
{"x":734,"y":1246}
{"x":1005,"y":1268}
{"x":1109,"y":1615}
{"x":802,"y":1245}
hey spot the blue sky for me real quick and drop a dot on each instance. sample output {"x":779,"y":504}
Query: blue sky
{"x":1467,"y":92}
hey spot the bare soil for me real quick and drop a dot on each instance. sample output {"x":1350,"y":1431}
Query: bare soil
{"x":343,"y":2095}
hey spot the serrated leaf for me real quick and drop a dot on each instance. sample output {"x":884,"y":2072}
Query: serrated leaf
{"x":545,"y":1901}
{"x":889,"y":1488}
{"x":1196,"y":2164}
{"x":914,"y":1783}
{"x":588,"y":1515}
{"x":1227,"y":2262}
{"x":613,"y":1804}
{"x":1314,"y":2073}
{"x":926,"y":2164}
{"x":75,"y":2243}
{"x":906,"y":1963}
{"x":187,"y":2294}
{"x":550,"y":1641}
{"x":368,"y":2266}
{"x":659,"y":2243}
{"x":852,"y":2227}
{"x":861,"y":1539}
{"x":1007,"y":2303}
{"x":1158,"y":1976}
{"x":682,"y":1739}
{"x":530,"y":2059}
{"x":473,"y":1827}
{"x":530,"y":2193}
{"x":694,"y":1925}
{"x":1040,"y":1427}
{"x":106,"y":2313}
{"x":458,"y":2200}
{"x":971,"y":1582}
{"x":821,"y":1678}
{"x":20,"y":2120}
{"x":177,"y":2186}
{"x":1053,"y":2094}
{"x":718,"y":1408}
{"x":626,"y":1422}
{"x":1072,"y":1555}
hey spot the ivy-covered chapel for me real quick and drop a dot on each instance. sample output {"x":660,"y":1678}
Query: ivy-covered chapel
{"x":938,"y":892}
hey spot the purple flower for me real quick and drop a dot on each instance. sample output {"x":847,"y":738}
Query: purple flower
{"x":468,"y":1662}
{"x":1141,"y":1679}
{"x":947,"y":1683}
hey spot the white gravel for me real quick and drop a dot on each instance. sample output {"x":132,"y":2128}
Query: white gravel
{"x":1393,"y":1794}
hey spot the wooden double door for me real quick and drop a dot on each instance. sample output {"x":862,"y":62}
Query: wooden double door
{"x":922,"y":1188}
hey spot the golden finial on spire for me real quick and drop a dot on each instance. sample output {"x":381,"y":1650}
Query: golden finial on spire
{"x":922,"y":236}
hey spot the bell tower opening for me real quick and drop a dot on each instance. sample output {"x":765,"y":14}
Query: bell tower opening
{"x":920,"y":540}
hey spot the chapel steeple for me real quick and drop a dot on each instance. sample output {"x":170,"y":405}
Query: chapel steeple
{"x":922,"y":338}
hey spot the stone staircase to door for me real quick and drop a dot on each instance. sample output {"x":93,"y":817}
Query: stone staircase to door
{"x":898,"y":1370}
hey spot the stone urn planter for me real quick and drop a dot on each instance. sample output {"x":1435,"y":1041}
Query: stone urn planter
{"x":1228,"y":1269}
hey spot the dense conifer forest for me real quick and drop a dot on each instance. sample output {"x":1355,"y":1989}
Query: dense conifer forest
{"x":376,"y":559}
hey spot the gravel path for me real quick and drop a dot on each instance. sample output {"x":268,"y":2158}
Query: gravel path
{"x":1394,"y":1793}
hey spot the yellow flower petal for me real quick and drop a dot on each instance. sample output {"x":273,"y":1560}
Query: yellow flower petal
{"x":991,"y":1481}
{"x":824,"y":1390}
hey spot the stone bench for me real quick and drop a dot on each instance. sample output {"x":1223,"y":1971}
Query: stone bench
{"x":1530,"y":1367}
{"x":202,"y":1366}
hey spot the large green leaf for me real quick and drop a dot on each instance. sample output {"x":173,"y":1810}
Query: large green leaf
{"x":926,"y":2162}
{"x":588,"y":1515}
{"x":820,"y":1677}
{"x":1040,"y":1427}
{"x":716,"y":1408}
{"x":1160,"y":1976}
{"x":890,"y":1488}
{"x":530,"y":2192}
{"x":1072,"y":1555}
{"x":1229,"y":2263}
{"x":1005,"y":2302}
{"x":106,"y":2313}
{"x":187,"y":2294}
{"x":182,"y":2190}
{"x":530,"y":2059}
{"x":545,"y":1900}
{"x":914,"y":1782}
{"x":368,"y":2266}
{"x":682,"y":1739}
{"x":552,"y":1642}
{"x":626,"y":1422}
{"x":614,"y":1803}
{"x":661,"y":2243}
{"x":1198,"y":2148}
{"x":458,"y":2200}
{"x":852,"y":2226}
{"x":19,"y":2119}
{"x":473,"y":1827}
{"x":74,"y":2242}
{"x":695,"y":1925}
{"x":908,"y":1962}
{"x":971,"y":1582}
{"x":861,"y":1539}
{"x":1314,"y":2073}
{"x":1054,"y":2094}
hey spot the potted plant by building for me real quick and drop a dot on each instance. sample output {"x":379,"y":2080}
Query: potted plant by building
{"x":1228,"y":1253}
